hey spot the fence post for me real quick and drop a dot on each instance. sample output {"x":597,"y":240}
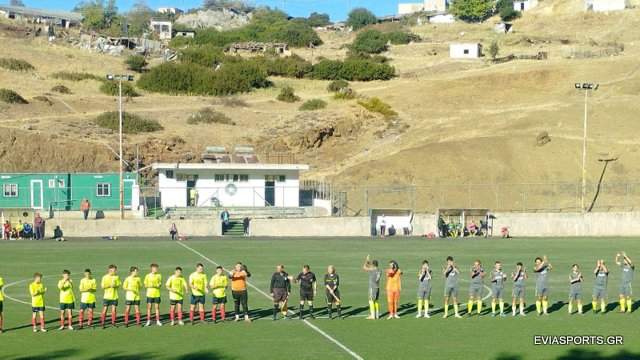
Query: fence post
{"x":366,"y":200}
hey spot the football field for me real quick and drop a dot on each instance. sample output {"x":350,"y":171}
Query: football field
{"x":353,"y":337}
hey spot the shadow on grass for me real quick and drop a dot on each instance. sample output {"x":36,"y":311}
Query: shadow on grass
{"x":582,"y":354}
{"x":63,"y":354}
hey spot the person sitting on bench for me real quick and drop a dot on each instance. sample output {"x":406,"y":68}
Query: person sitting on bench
{"x":57,"y":234}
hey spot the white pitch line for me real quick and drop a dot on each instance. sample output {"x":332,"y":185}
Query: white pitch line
{"x":312,"y":326}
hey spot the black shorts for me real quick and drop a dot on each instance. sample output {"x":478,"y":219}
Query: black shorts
{"x":196,"y":299}
{"x":110,"y":302}
{"x":69,"y":306}
{"x":132,"y":302}
{"x":306,"y":295}
{"x":85,"y":306}
{"x":219,"y":300}
{"x":36,"y":309}
{"x":153,"y":300}
{"x":331,"y":299}
{"x":1,"y":306}
{"x":280,"y":295}
{"x":175,"y":302}
{"x":239,"y":296}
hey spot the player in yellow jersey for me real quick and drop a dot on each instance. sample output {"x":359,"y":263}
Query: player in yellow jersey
{"x":88,"y":287}
{"x":153,"y":283}
{"x":218,"y":285}
{"x":110,"y":284}
{"x":177,"y":286}
{"x":1,"y":303}
{"x":67,"y":299}
{"x":132,"y":285}
{"x":37,"y":291}
{"x":198,"y":285}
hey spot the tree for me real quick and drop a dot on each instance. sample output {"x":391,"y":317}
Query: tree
{"x":139,"y":17}
{"x":317,"y":19}
{"x":506,"y":10}
{"x":472,"y":10}
{"x":238,"y":5}
{"x":110,"y":12}
{"x":494,"y":49}
{"x":136,"y":63}
{"x":369,"y":42}
{"x":361,"y":17}
{"x":16,"y":3}
{"x":93,"y":13}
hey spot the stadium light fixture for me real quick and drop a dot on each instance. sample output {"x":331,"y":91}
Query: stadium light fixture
{"x":120,"y":78}
{"x":586,"y":87}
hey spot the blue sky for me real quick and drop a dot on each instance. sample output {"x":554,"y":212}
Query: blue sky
{"x":337,"y":9}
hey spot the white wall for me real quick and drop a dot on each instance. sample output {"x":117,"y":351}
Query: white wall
{"x":524,"y":5}
{"x":250,"y":193}
{"x":409,"y":8}
{"x":457,"y":51}
{"x":435,"y":5}
{"x":608,"y":5}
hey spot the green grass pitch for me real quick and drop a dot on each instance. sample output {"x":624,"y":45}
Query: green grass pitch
{"x":483,"y":337}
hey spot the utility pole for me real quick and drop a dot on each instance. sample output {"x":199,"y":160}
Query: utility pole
{"x":119,"y":78}
{"x":585,"y":87}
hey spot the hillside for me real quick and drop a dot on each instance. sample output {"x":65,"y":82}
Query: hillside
{"x":459,"y":122}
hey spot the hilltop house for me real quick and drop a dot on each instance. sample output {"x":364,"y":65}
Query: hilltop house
{"x":465,"y":50}
{"x":605,"y":5}
{"x":162,"y":27}
{"x":63,"y":19}
{"x":427,"y":5}
{"x":170,"y":11}
{"x":524,"y":5}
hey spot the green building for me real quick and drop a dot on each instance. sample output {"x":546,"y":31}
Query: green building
{"x":64,"y":191}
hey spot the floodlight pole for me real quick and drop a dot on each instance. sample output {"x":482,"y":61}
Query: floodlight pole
{"x":585,"y":87}
{"x":120,"y":140}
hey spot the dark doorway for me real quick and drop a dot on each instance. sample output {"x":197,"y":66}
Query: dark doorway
{"x":269,"y":193}
{"x":191,"y":193}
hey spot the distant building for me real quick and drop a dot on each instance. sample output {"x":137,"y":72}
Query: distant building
{"x":162,"y":27}
{"x":465,"y":50}
{"x":185,"y":33}
{"x":426,"y":5}
{"x":65,"y":191}
{"x":524,"y":5}
{"x":170,"y":10}
{"x":63,"y":19}
{"x":605,"y":5}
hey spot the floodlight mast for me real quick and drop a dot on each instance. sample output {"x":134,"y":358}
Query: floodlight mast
{"x":120,"y":78}
{"x":586,"y":87}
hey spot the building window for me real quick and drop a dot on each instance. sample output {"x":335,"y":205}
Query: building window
{"x":52,"y":183}
{"x":61,"y":183}
{"x":103,"y":189}
{"x":10,"y":190}
{"x":244,"y":178}
{"x":466,"y":51}
{"x":218,"y":178}
{"x":236,"y":178}
{"x":169,"y":174}
{"x":281,"y":178}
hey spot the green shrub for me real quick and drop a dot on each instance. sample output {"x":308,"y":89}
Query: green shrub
{"x":185,"y":78}
{"x":401,"y":37}
{"x":74,"y":76}
{"x":287,"y":94}
{"x":316,"y":19}
{"x":345,"y":94}
{"x":136,"y":63}
{"x":61,"y":89}
{"x":369,"y":42}
{"x":291,"y":66}
{"x":206,"y":55}
{"x":131,"y":123}
{"x":11,"y":97}
{"x":15,"y":64}
{"x":378,"y":106}
{"x":112,"y":88}
{"x":506,"y":10}
{"x":352,"y":70}
{"x":472,"y":10}
{"x":209,"y":116}
{"x":313,"y":104}
{"x":337,"y":85}
{"x":232,"y":101}
{"x":361,"y":17}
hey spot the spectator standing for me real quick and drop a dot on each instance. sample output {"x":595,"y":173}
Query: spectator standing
{"x":224,"y":216}
{"x":383,"y":225}
{"x":38,"y":224}
{"x":6,"y":230}
{"x":85,"y":206}
{"x":173,"y":231}
{"x":20,"y":230}
{"x":245,"y":225}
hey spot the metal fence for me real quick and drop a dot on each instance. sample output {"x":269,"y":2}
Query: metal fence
{"x":525,"y":197}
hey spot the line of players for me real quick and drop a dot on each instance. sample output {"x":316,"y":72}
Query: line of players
{"x":280,"y":288}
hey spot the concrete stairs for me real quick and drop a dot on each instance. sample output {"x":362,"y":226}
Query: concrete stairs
{"x":235,"y":212}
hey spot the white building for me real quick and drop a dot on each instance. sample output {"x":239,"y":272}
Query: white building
{"x":164,"y":28}
{"x":427,"y":5}
{"x":524,"y":5}
{"x":465,"y":50}
{"x":170,"y":10}
{"x":229,"y":184}
{"x":605,"y":5}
